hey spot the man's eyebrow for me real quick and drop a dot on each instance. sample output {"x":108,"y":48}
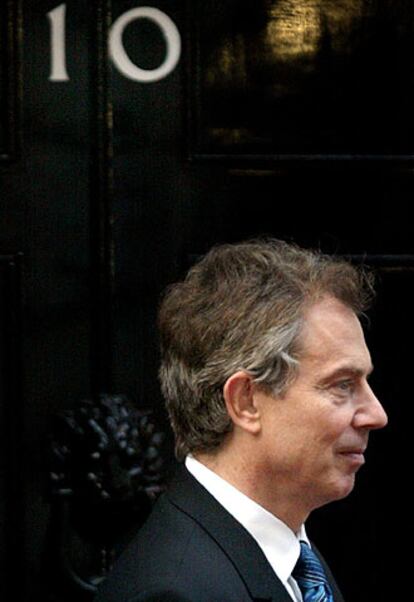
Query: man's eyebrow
{"x":347,"y":370}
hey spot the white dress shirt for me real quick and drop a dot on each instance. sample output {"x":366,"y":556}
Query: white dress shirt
{"x":277,"y":541}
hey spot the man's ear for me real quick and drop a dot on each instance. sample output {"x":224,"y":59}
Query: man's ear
{"x":239,"y":396}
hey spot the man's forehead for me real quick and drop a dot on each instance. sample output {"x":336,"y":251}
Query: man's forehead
{"x":329,"y":318}
{"x":332,"y":332}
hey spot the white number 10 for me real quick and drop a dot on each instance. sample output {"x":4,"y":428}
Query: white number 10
{"x":57,"y":21}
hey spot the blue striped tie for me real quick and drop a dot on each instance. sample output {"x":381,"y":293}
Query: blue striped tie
{"x":311,"y":577}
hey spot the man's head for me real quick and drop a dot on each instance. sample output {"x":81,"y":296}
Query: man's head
{"x":304,"y":448}
{"x":242,"y":308}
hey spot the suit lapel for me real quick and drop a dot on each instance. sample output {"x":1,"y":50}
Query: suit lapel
{"x":239,"y":546}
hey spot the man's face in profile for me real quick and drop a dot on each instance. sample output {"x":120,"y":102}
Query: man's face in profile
{"x":315,"y":435}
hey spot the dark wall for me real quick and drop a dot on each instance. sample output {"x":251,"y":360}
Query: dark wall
{"x":283,"y":118}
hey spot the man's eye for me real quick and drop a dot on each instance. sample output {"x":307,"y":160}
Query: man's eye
{"x":344,"y":386}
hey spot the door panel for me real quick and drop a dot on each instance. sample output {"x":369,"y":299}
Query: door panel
{"x":11,"y":424}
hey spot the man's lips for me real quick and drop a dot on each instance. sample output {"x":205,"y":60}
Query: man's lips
{"x":354,"y":454}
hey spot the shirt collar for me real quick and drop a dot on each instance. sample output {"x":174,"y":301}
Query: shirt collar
{"x":278,"y":542}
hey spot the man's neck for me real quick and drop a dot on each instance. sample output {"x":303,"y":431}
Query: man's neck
{"x":275,"y":500}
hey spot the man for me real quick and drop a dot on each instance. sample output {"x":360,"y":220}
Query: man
{"x":264,"y":371}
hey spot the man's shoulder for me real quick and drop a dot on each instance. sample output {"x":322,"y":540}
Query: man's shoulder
{"x":172,"y":557}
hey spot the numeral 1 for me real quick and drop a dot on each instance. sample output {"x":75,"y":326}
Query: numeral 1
{"x":56,"y":18}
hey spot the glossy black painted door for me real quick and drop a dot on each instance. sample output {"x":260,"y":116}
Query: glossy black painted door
{"x":205,"y":122}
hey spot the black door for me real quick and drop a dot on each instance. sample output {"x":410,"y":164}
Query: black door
{"x":132,"y":138}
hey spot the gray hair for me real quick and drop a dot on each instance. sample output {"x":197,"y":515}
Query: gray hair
{"x":241,"y":308}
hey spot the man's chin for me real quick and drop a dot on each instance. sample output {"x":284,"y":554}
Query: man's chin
{"x":345,"y":486}
{"x":339,"y":490}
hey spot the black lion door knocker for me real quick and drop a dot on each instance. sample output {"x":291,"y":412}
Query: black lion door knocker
{"x":105,"y":472}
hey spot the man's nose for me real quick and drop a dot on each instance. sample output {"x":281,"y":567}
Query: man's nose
{"x":372,"y":414}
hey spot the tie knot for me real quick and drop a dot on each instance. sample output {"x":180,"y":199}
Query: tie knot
{"x":311,"y":577}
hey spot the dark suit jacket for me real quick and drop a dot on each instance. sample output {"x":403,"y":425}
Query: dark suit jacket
{"x":192,"y":550}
